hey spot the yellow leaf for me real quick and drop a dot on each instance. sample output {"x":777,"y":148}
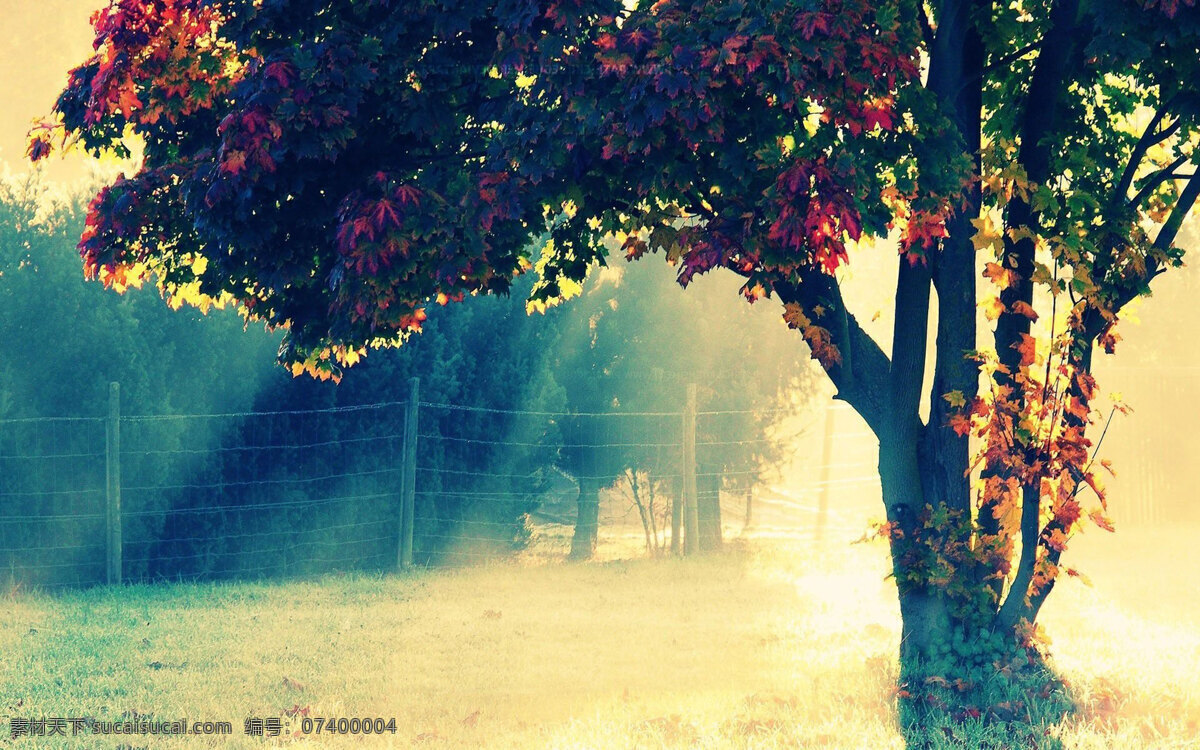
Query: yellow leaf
{"x":350,"y":357}
{"x":992,"y":308}
{"x":823,"y":349}
{"x":1000,"y":276}
{"x":985,"y":234}
{"x":795,"y":317}
{"x":1021,"y":233}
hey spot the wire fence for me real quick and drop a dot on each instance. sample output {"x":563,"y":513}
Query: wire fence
{"x":52,"y":500}
{"x":269,"y":493}
{"x":293,"y":493}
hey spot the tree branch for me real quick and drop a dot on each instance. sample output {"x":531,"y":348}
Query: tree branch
{"x":1095,"y":322}
{"x":1187,"y":199}
{"x":928,"y":32}
{"x":1039,"y":120}
{"x":1012,"y":56}
{"x":1028,"y":605}
{"x":1016,"y":604}
{"x":1159,"y":178}
{"x":909,"y":333}
{"x":1150,"y":137}
{"x":862,"y":375}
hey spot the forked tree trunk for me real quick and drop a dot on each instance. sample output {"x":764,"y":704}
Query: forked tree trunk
{"x":587,"y":521}
{"x":943,"y":595}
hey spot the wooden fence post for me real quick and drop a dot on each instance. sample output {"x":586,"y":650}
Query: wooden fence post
{"x":691,"y":509}
{"x":112,"y":487}
{"x":409,"y":489}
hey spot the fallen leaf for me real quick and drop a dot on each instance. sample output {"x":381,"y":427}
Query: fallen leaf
{"x":291,"y":684}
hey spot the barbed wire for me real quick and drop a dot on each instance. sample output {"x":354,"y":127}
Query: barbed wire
{"x":277,"y":492}
{"x":252,"y":414}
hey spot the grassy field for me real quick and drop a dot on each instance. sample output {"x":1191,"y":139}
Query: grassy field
{"x":767,"y":645}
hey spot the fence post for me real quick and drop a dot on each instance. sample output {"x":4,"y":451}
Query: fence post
{"x":409,"y":489}
{"x":826,"y":460}
{"x":112,"y":487}
{"x":691,"y":509}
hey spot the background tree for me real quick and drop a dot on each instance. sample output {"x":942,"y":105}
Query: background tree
{"x":488,"y":441}
{"x":66,"y":341}
{"x":185,"y":363}
{"x":337,"y":168}
{"x":625,"y":354}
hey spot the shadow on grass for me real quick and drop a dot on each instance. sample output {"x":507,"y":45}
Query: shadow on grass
{"x":1014,"y":703}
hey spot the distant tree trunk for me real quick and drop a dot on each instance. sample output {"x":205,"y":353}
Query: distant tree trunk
{"x":677,"y":520}
{"x":650,"y":496}
{"x":708,"y":504}
{"x":643,"y":512}
{"x":587,"y":520}
{"x":749,"y":508}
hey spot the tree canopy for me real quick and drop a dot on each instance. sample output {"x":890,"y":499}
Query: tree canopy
{"x":334,"y":166}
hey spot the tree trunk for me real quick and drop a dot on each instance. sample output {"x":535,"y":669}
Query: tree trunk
{"x":643,"y":512}
{"x":587,"y":521}
{"x":651,"y":495}
{"x":708,"y":505}
{"x":924,"y":612}
{"x":749,"y":508}
{"x":677,"y":520}
{"x":950,"y":627}
{"x":923,"y":468}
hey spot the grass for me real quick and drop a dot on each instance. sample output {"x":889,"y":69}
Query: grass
{"x":767,"y":645}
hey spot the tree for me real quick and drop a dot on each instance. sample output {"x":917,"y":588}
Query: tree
{"x":333,"y":165}
{"x":66,"y":341}
{"x":327,"y":483}
{"x":614,"y":368}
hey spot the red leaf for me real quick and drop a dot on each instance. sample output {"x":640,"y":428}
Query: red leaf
{"x":38,"y":148}
{"x":383,"y":213}
{"x":407,"y":194}
{"x":280,"y":72}
{"x":1021,"y":307}
{"x":1028,"y":349}
{"x":1102,"y":520}
{"x":234,"y":162}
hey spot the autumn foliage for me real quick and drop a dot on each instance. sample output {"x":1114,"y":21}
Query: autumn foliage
{"x":333,"y":167}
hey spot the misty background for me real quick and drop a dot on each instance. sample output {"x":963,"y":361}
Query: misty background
{"x":64,"y":340}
